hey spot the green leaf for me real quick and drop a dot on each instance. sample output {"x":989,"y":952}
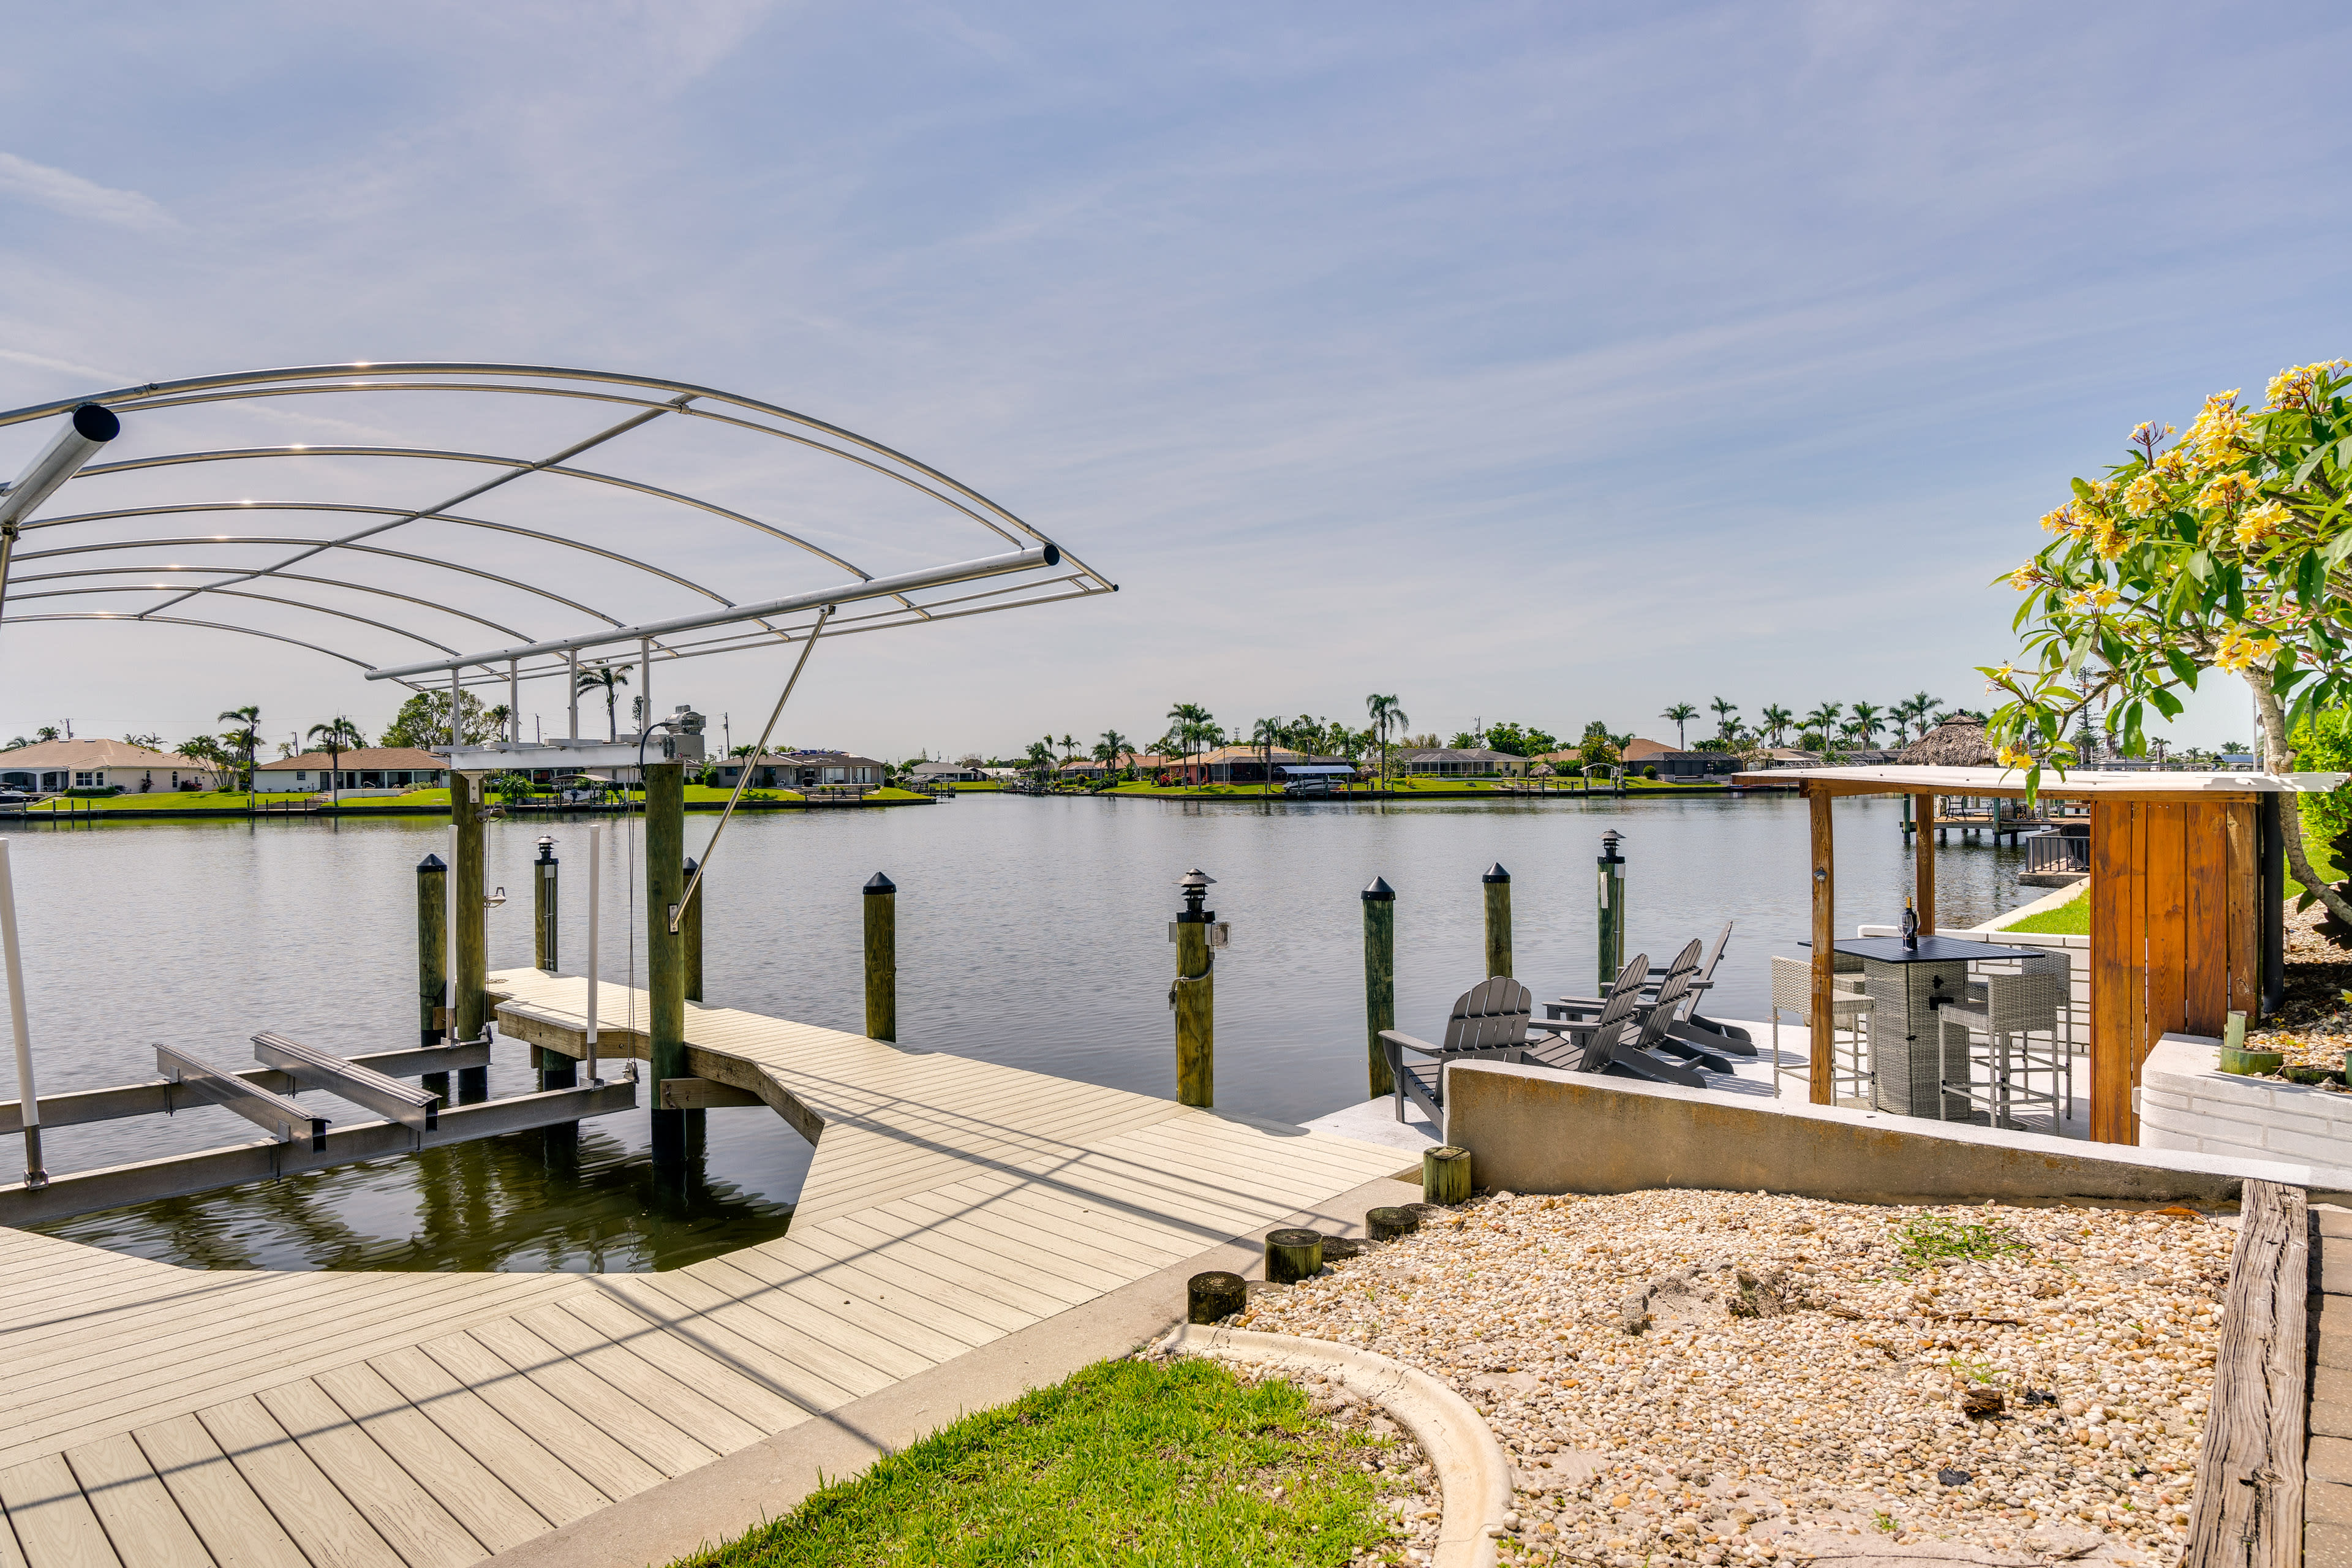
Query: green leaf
{"x":2166,"y":703}
{"x":2338,"y":548}
{"x":2200,"y":563}
{"x":2308,"y":577}
{"x":2182,"y":666}
{"x":2081,"y":489}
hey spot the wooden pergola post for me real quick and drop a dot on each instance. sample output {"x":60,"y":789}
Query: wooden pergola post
{"x":1821,"y":1064}
{"x":1923,"y":863}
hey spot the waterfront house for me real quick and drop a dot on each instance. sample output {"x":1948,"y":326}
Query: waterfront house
{"x":1247,"y":764}
{"x":802,"y":770}
{"x":392,"y":770}
{"x":102,"y":764}
{"x":947,"y":773}
{"x":1461,"y":762}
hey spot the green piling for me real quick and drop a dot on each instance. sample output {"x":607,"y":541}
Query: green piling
{"x":881,"y":901}
{"x":1379,"y":982}
{"x":1497,"y":883}
{"x":665,"y":957}
{"x":1612,"y":907}
{"x":1193,"y":996}
{"x":432,"y":965}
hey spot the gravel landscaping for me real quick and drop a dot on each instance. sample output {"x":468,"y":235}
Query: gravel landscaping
{"x":1700,"y":1377}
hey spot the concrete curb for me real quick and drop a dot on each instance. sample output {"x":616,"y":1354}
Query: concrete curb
{"x":1475,"y":1477}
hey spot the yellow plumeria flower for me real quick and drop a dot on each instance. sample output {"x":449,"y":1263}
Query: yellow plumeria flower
{"x":2095,"y":599}
{"x":2145,"y":497}
{"x":2262,"y":522}
{"x":2176,"y":464}
{"x":2106,"y":540}
{"x":2014,"y":756}
{"x":2058,"y":520}
{"x":2238,"y":650}
{"x":2228,"y":489}
{"x":2024,"y":577}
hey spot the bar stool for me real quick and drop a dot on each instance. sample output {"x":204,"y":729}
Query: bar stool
{"x":1792,"y":990}
{"x":2010,"y":1009}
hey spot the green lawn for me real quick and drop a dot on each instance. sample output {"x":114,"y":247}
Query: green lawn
{"x":162,"y":800}
{"x":2071,"y":918}
{"x":1127,"y":1462}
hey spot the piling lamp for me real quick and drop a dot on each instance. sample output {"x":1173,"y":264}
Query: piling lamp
{"x":1195,"y":885}
{"x":546,"y":847}
{"x":1609,"y":842}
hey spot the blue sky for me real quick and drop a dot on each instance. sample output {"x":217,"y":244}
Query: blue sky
{"x":1527,"y":362}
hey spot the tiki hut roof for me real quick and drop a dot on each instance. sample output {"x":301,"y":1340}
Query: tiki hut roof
{"x":1954,"y":744}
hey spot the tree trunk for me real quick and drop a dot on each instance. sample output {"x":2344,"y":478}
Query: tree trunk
{"x":2280,"y":758}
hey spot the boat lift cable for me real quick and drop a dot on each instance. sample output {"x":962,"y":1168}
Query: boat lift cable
{"x":743,"y":775}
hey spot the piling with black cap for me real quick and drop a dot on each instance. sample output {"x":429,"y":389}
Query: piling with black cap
{"x":432,"y":969}
{"x":1214,"y":1297}
{"x":543,"y":907}
{"x":1497,"y":883}
{"x":1292,"y":1255}
{"x":1193,"y":996}
{"x":689,"y":933}
{"x":881,"y":901}
{"x":1612,"y":907}
{"x":1379,"y":982}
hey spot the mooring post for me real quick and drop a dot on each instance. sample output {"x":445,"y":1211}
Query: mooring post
{"x":689,"y":932}
{"x":1380,"y":982}
{"x":471,"y":1018}
{"x":543,"y":907}
{"x":1193,"y":996}
{"x":881,"y":901}
{"x":1613,"y":906}
{"x":665,"y":957}
{"x":1497,"y":883}
{"x":432,"y":946}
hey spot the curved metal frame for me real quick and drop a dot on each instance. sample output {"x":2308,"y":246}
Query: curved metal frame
{"x":907,"y":598}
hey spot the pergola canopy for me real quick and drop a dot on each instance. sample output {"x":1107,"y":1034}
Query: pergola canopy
{"x":2082,"y":784}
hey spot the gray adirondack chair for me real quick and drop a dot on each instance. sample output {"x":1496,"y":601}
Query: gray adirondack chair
{"x":1712,"y":1033}
{"x":1585,"y":1045}
{"x":1489,"y":1022}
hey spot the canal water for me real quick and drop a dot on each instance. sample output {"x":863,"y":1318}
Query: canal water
{"x":1032,"y":932}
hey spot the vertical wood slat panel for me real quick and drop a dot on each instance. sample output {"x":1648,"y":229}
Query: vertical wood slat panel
{"x":2167,"y":895}
{"x":2244,"y":899}
{"x":2206,"y":996}
{"x":2116,"y":947}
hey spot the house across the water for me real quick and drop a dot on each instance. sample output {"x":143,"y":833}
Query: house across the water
{"x":802,"y":770}
{"x":389,"y":769}
{"x":102,"y":764}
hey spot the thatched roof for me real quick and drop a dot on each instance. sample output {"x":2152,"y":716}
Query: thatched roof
{"x":1954,"y":744}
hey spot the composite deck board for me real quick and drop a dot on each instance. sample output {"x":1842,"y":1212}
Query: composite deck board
{"x":431,"y":1419}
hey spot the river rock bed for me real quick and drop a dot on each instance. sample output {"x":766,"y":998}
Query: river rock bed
{"x":1725,"y":1378}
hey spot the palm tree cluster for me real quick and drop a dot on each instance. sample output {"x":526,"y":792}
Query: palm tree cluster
{"x":1828,"y":726}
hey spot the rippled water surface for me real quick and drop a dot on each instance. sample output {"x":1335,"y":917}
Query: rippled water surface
{"x":1031,"y":932}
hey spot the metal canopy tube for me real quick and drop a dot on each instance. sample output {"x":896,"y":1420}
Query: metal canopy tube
{"x":90,"y":427}
{"x":314,"y":1069}
{"x":823,"y":598}
{"x":35,"y":1175}
{"x":273,"y":1113}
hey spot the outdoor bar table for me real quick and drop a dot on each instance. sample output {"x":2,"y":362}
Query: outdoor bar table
{"x":1906,"y":982}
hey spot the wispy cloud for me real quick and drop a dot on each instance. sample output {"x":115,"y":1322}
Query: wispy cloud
{"x":69,"y":193}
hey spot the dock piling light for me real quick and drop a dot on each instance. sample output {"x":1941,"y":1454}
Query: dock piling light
{"x":1194,"y":994}
{"x":28,"y":1096}
{"x":543,"y":906}
{"x":1612,"y":907}
{"x":1497,"y":883}
{"x":881,"y":900}
{"x":1380,"y":982}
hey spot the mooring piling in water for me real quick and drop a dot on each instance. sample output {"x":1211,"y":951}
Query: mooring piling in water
{"x":1380,"y":982}
{"x":595,"y":879}
{"x":432,"y":956}
{"x":881,"y":900}
{"x":1612,"y":907}
{"x":1498,"y":884}
{"x":543,"y":907}
{"x":665,"y":952}
{"x":690,"y":935}
{"x":1193,"y":996}
{"x":469,"y":1013}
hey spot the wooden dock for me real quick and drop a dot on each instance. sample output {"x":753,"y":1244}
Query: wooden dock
{"x":152,"y":1415}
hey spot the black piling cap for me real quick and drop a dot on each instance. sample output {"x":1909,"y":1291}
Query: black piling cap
{"x":430,"y":863}
{"x":1495,"y":873}
{"x":692,"y":865}
{"x":878,"y":883}
{"x":1379,"y":892}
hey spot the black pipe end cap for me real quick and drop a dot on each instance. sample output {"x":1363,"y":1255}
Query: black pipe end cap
{"x":1495,"y":873}
{"x":1052,"y":556}
{"x":96,"y":421}
{"x":1379,"y":892}
{"x":431,"y":863}
{"x":878,"y":883}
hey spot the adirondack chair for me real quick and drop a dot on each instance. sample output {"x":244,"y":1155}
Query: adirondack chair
{"x":1673,"y":1036}
{"x":1489,"y":1022}
{"x":1712,"y":1033}
{"x":1636,"y":1052}
{"x":1584,"y":1045}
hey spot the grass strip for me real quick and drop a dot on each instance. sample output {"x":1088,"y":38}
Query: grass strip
{"x":1177,"y":1463}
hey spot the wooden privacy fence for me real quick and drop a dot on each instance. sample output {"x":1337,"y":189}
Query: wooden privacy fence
{"x":2175,"y":935}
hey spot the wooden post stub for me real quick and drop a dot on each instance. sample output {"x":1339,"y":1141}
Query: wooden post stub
{"x":1379,"y":982}
{"x":1292,"y":1256}
{"x":1214,"y":1297}
{"x":1445,"y":1174}
{"x":1340,"y":1249}
{"x":881,"y":901}
{"x":1388,"y":1224}
{"x":689,"y":932}
{"x":1498,"y":884}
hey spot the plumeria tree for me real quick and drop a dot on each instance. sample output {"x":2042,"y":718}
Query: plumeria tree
{"x":2222,"y":547}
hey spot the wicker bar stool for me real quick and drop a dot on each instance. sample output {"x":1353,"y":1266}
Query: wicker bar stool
{"x":2009,"y":1010}
{"x":1792,"y":991}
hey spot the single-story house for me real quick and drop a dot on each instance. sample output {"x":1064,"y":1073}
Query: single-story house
{"x":102,"y":764}
{"x":367,"y":768}
{"x":1245,"y":764}
{"x":1462,"y":762}
{"x":947,"y":773}
{"x":802,"y":770}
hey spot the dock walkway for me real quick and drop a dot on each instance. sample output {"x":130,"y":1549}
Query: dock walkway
{"x":154,"y":1415}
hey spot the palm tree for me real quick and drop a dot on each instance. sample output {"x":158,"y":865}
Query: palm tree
{"x":1070,"y":744}
{"x":609,"y":678}
{"x":1110,"y":749}
{"x":1386,"y":716}
{"x":1824,"y":719}
{"x":336,"y":736}
{"x":1867,"y":721}
{"x":1187,"y":722}
{"x":1726,"y":717}
{"x":1679,"y":714}
{"x":1265,"y":735}
{"x":1923,"y":707}
{"x":498,"y":718}
{"x":1041,"y":758}
{"x":244,"y":738}
{"x":1777,"y":721}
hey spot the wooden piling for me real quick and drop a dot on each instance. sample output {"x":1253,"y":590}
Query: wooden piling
{"x":1445,"y":1174}
{"x":689,"y":932}
{"x":432,"y":967}
{"x":1820,"y":1057}
{"x":1380,"y":982}
{"x":1388,"y":1224}
{"x":1214,"y":1297}
{"x":881,"y":900}
{"x":1498,"y":884}
{"x":1196,"y":1016}
{"x":665,"y":785}
{"x":1292,"y":1255}
{"x":542,"y":907}
{"x":1612,"y":925}
{"x":472,"y":997}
